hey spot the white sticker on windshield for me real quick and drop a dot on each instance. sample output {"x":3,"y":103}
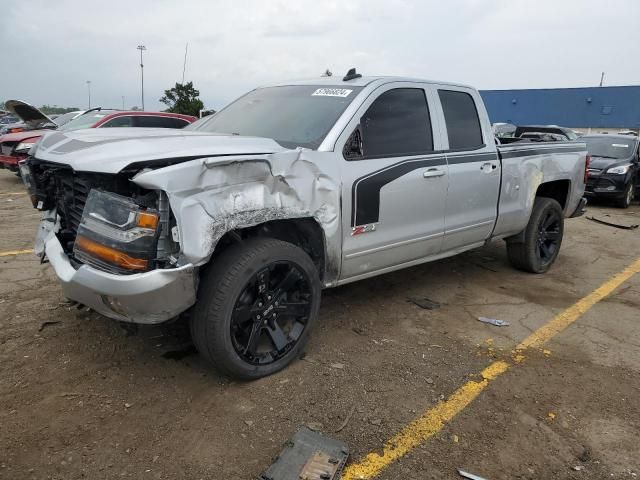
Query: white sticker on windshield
{"x":332,"y":92}
{"x":620,"y":145}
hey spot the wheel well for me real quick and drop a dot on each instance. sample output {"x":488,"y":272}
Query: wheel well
{"x":558,"y":190}
{"x":303,"y":232}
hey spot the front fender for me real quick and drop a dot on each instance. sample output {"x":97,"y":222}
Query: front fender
{"x":212,"y":196}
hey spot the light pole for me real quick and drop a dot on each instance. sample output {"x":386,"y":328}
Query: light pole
{"x":89,"y":91}
{"x":142,"y":48}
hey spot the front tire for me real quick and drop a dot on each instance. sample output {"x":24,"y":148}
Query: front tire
{"x":542,"y":238}
{"x":627,"y":198}
{"x":256,"y":304}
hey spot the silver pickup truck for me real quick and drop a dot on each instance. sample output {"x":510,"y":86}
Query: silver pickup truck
{"x":242,"y":218}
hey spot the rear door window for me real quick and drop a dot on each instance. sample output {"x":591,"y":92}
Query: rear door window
{"x":397,"y":124}
{"x":150,"y":121}
{"x":461,"y":118}
{"x":118,"y":122}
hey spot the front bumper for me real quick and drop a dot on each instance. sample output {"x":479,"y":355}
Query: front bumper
{"x":606,"y":185}
{"x":145,"y":298}
{"x":9,"y":162}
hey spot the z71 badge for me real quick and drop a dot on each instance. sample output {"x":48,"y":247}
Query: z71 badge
{"x":363,"y":229}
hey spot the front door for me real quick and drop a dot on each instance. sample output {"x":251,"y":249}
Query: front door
{"x":395,"y":186}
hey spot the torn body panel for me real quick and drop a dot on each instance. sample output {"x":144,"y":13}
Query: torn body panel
{"x":212,"y":196}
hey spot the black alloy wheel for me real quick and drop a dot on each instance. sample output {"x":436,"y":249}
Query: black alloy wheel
{"x":549,"y":236}
{"x":271,"y":313}
{"x":257,"y":302}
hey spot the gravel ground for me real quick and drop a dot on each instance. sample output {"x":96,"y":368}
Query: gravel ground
{"x":83,"y":398}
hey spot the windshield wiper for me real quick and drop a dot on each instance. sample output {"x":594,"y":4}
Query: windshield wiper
{"x":604,"y":156}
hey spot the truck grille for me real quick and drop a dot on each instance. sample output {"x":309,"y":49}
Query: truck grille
{"x":71,"y":195}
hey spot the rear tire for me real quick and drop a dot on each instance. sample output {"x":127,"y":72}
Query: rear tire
{"x":627,"y":198}
{"x":257,"y":303}
{"x":542,"y":238}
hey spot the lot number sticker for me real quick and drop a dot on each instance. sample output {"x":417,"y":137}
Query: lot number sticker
{"x":332,"y":92}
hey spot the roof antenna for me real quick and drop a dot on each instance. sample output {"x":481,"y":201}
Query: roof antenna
{"x":351,"y":75}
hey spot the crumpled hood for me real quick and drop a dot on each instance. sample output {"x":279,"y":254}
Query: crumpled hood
{"x":110,"y":150}
{"x":29,"y":114}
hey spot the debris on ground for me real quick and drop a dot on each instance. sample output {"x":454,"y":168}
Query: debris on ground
{"x":346,"y":420}
{"x":611,"y":224}
{"x":309,"y":456}
{"x":315,"y":426}
{"x":424,"y":302}
{"x":338,"y":366}
{"x":44,"y":325}
{"x":180,"y":353}
{"x":468,"y":475}
{"x":577,"y":468}
{"x":494,"y":321}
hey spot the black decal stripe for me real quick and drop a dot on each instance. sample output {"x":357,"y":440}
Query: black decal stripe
{"x":365,"y":193}
{"x":476,"y":157}
{"x":528,"y":151}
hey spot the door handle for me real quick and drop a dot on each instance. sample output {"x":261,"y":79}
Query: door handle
{"x":433,"y":172}
{"x":488,"y":167}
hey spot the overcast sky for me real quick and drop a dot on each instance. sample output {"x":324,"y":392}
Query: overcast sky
{"x":51,"y":48}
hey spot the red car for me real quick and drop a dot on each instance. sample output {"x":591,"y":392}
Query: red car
{"x":15,"y":146}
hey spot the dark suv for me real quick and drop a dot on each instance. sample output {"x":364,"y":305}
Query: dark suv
{"x":614,"y":171}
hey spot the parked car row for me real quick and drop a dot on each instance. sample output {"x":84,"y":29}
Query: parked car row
{"x":15,"y":146}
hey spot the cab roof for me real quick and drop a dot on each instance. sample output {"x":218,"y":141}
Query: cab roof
{"x":338,"y":82}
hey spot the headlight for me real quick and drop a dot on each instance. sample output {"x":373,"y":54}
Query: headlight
{"x":24,"y":147}
{"x":27,"y":178}
{"x":116,"y":232}
{"x":619,"y":170}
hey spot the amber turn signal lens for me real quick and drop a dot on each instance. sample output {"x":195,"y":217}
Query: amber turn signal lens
{"x":147,"y":220}
{"x":110,"y":255}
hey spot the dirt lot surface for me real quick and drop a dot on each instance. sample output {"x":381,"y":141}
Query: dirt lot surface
{"x":81,"y":398}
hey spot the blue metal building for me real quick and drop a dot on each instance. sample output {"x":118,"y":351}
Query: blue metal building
{"x":590,"y":107}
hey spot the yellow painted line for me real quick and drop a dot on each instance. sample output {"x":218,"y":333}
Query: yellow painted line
{"x":15,"y":252}
{"x":434,"y":419}
{"x":14,"y":193}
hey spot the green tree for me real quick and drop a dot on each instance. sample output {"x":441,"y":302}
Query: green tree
{"x":183,"y":98}
{"x":1,"y":105}
{"x":51,"y":109}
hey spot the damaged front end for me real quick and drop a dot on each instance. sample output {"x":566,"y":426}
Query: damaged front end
{"x":109,"y":242}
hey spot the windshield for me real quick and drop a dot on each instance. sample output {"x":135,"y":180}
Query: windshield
{"x":618,"y":148}
{"x":293,"y":116}
{"x":84,"y":121}
{"x":62,"y":119}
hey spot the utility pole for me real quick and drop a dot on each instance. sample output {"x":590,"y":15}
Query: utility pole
{"x":184,"y":67}
{"x":142,"y":48}
{"x":602,"y":79}
{"x":89,"y":90}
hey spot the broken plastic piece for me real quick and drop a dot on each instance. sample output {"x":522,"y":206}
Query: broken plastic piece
{"x":468,"y":475}
{"x":424,"y":302}
{"x":494,"y":321}
{"x":309,"y":456}
{"x":615,"y":225}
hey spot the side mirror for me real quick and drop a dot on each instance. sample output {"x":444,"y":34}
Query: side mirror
{"x":353,"y":148}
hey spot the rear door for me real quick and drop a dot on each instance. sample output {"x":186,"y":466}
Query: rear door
{"x":474,"y":168}
{"x":394,"y":182}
